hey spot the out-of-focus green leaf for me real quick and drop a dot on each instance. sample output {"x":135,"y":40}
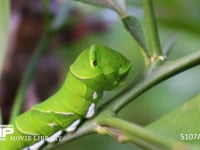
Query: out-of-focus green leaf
{"x":4,"y":27}
{"x":117,"y":5}
{"x":182,"y":123}
{"x":133,"y":26}
{"x":179,"y":14}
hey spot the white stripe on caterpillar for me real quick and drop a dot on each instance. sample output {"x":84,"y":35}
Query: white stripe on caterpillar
{"x":73,"y":126}
{"x":24,"y":132}
{"x":49,"y":111}
{"x":90,"y":111}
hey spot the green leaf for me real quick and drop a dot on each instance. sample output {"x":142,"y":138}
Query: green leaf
{"x":4,"y":28}
{"x":133,"y":26}
{"x":117,"y":5}
{"x":182,"y":123}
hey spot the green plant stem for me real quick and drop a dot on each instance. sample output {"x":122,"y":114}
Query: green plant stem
{"x":18,"y":102}
{"x":152,"y":31}
{"x":148,"y":80}
{"x":125,"y":131}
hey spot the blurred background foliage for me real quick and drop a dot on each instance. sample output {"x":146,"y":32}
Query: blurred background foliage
{"x":86,"y":25}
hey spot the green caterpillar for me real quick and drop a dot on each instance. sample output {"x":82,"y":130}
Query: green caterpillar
{"x":96,"y":69}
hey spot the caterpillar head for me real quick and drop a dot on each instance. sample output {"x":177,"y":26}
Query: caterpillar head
{"x":101,"y":67}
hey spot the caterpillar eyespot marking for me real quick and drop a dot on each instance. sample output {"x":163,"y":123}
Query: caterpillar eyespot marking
{"x":73,"y":126}
{"x":94,"y":71}
{"x":90,"y":111}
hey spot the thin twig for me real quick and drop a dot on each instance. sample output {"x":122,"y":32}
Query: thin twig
{"x":152,"y":31}
{"x":125,"y":131}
